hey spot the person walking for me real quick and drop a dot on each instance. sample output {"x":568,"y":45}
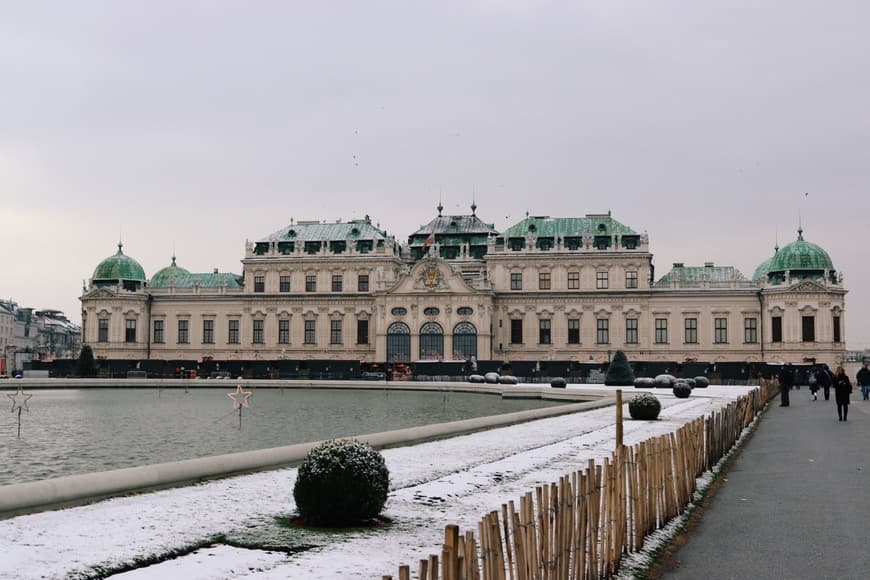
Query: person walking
{"x":813,"y":382}
{"x":863,"y":378}
{"x":786,"y":380}
{"x":842,"y":390}
{"x":825,"y":380}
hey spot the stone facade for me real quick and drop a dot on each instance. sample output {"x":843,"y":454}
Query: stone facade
{"x":546,"y":289}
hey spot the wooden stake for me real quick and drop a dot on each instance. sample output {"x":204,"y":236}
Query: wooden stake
{"x":618,"y":418}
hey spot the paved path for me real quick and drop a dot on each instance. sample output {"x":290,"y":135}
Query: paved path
{"x":795,"y":503}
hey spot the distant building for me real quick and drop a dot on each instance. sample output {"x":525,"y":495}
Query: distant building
{"x":570,"y":289}
{"x":42,"y":335}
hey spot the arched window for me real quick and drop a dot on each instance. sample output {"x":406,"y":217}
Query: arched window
{"x":464,"y":341}
{"x":431,"y":341}
{"x":398,"y":343}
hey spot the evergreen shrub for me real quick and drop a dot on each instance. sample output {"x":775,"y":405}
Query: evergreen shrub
{"x":559,"y":383}
{"x":644,"y":383}
{"x":665,"y":381}
{"x":644,"y":407}
{"x":619,"y":372}
{"x":341,"y":482}
{"x":702,"y":382}
{"x":682,"y":390}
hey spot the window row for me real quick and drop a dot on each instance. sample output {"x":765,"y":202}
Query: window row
{"x":284,"y":283}
{"x":808,"y":329}
{"x":258,"y":334}
{"x":602,"y":280}
{"x":602,"y":331}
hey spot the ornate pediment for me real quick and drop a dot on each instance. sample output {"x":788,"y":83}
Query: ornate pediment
{"x":808,"y":286}
{"x":99,"y":293}
{"x":430,"y":277}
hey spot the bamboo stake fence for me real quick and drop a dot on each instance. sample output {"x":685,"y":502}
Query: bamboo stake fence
{"x":579,"y":527}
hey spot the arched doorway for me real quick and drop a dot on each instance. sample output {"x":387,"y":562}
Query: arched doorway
{"x":398,"y":343}
{"x":464,"y":341}
{"x":431,"y":341}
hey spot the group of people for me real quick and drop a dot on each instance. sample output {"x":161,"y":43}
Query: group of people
{"x":822,"y":378}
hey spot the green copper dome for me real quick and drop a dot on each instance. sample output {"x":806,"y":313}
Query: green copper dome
{"x":801,"y":255}
{"x":764,"y":268}
{"x":799,"y":260}
{"x":168,"y":275}
{"x":119,"y":267}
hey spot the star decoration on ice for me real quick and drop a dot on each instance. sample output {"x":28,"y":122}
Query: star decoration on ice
{"x":240,"y":398}
{"x":19,"y":399}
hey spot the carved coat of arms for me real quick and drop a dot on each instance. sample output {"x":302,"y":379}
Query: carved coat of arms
{"x":431,"y":277}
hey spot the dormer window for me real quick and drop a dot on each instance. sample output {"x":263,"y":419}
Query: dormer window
{"x":533,"y":228}
{"x":291,"y":234}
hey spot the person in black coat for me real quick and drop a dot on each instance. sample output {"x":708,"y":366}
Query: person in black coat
{"x":842,"y":390}
{"x":786,"y":380}
{"x":825,"y":380}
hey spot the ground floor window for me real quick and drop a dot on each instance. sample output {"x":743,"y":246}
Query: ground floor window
{"x":431,"y":341}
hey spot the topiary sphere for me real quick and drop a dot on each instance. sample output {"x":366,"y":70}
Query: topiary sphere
{"x":702,"y":382}
{"x":644,"y":383}
{"x":690,"y":382}
{"x":476,"y":379}
{"x":644,"y":407}
{"x":341,"y":482}
{"x":558,"y":383}
{"x":665,"y":381}
{"x":491,"y":377}
{"x":508,"y":380}
{"x":682,"y":390}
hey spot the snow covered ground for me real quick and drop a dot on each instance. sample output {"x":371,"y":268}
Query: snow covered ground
{"x":237,"y":527}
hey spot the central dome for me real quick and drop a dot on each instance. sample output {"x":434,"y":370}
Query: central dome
{"x":119,"y":267}
{"x":801,"y":255}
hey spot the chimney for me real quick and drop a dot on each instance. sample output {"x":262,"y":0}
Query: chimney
{"x":215,"y":270}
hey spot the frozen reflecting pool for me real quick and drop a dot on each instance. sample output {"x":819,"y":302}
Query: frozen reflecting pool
{"x":82,"y":430}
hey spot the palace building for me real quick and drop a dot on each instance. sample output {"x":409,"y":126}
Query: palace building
{"x":546,"y":289}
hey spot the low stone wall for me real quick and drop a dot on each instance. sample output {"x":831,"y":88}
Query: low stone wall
{"x":84,"y":488}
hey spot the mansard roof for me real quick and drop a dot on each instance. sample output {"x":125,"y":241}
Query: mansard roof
{"x":546,"y":227}
{"x":689,"y":275}
{"x":186,"y":279}
{"x":316,"y":231}
{"x":460,"y":225}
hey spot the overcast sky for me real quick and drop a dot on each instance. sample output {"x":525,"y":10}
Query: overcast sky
{"x":198,"y":125}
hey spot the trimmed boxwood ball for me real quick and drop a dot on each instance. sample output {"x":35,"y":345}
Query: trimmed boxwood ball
{"x":690,"y":382}
{"x":682,"y":390}
{"x":508,"y":380}
{"x":559,"y":383}
{"x":644,"y":383}
{"x":476,"y":379}
{"x":665,"y":381}
{"x":341,"y":482}
{"x":619,"y":372}
{"x":702,"y":382}
{"x":491,"y":377}
{"x":644,"y":407}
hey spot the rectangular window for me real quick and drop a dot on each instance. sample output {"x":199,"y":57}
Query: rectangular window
{"x":130,"y":330}
{"x":720,"y":330}
{"x":284,"y":283}
{"x":573,"y":331}
{"x":259,"y":283}
{"x":284,"y":331}
{"x":776,"y":329}
{"x":257,"y":337}
{"x":691,"y":334}
{"x":335,"y":332}
{"x":543,"y":281}
{"x":337,"y":282}
{"x":309,"y":332}
{"x":516,"y":280}
{"x":631,"y":279}
{"x":362,"y":331}
{"x":104,"y":330}
{"x":837,"y":329}
{"x":573,"y":280}
{"x":233,"y":332}
{"x":601,"y":280}
{"x":516,"y":331}
{"x":158,"y":332}
{"x":183,"y":332}
{"x":208,"y":331}
{"x":311,"y":283}
{"x":750,"y":330}
{"x":661,"y":330}
{"x":808,"y":328}
{"x":602,"y":331}
{"x":631,"y":331}
{"x":544,"y":331}
{"x":362,"y":284}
